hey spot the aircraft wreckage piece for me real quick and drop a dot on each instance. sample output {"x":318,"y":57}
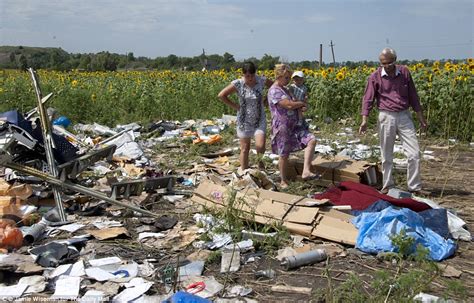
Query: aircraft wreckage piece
{"x":71,"y":186}
{"x":48,"y":142}
{"x":14,"y":140}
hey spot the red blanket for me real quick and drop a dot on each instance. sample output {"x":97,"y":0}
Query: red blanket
{"x":360,"y":196}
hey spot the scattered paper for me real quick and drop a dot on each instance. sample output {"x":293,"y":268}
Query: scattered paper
{"x":60,"y":270}
{"x":71,"y":227}
{"x":105,"y":261}
{"x":12,"y":292}
{"x":94,"y":296}
{"x":101,"y":224}
{"x":145,"y":235}
{"x":192,"y":269}
{"x":173,"y":198}
{"x":67,"y":288}
{"x":135,"y":289}
{"x":99,"y":274}
{"x":77,"y":269}
{"x":36,"y":284}
{"x":230,"y":261}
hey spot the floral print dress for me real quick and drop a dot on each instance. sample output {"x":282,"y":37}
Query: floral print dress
{"x":251,"y":116}
{"x":287,"y":134}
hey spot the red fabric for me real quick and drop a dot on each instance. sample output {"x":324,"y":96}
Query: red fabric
{"x":360,"y":196}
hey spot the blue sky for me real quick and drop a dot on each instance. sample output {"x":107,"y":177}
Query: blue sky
{"x":293,"y":30}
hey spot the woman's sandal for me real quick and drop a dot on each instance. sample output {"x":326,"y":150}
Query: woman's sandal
{"x":312,"y":177}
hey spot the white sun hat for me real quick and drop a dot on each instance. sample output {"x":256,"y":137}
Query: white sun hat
{"x":297,"y":73}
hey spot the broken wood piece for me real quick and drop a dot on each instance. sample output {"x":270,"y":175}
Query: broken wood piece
{"x":292,"y":289}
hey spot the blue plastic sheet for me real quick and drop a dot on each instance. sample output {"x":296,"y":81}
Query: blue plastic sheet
{"x":434,"y":219}
{"x":375,"y":230}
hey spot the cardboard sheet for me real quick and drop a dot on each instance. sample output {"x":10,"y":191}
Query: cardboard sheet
{"x":336,"y":169}
{"x":268,"y":207}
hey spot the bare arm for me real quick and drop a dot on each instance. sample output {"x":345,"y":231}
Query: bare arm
{"x":224,"y":96}
{"x":288,"y":104}
{"x":268,"y":83}
{"x":363,"y":125}
{"x":421,"y":119}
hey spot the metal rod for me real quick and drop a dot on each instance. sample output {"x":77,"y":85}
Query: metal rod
{"x":78,"y":188}
{"x":48,"y":143}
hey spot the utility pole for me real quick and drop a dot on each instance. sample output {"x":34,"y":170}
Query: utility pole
{"x":204,"y":60}
{"x":320,"y":55}
{"x":332,"y":50}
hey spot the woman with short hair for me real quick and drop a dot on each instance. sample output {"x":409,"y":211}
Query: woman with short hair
{"x":287,"y":134}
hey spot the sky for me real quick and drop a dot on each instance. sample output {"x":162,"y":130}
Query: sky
{"x":292,"y":30}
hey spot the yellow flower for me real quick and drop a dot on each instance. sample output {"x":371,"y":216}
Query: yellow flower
{"x":324,"y":74}
{"x":74,"y":83}
{"x":470,"y":61}
{"x":1,"y":90}
{"x":447,"y":66}
{"x":93,"y":97}
{"x":340,"y":76}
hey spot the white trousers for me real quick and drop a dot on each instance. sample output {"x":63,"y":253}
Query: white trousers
{"x":391,"y":124}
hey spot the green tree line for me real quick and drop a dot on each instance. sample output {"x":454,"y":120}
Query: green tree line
{"x":21,"y":57}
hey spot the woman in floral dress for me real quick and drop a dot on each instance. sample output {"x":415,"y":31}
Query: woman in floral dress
{"x":287,"y":134}
{"x":251,"y":121}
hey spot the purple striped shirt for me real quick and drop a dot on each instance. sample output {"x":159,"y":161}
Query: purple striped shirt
{"x":393,"y":94}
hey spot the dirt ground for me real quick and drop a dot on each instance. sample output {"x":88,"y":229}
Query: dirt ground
{"x":449,"y":180}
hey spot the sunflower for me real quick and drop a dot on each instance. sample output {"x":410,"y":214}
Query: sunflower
{"x":340,"y":76}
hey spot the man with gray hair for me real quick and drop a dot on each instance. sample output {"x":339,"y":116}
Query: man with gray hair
{"x":393,"y":89}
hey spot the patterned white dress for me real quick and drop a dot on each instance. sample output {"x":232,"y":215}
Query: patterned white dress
{"x":251,"y":116}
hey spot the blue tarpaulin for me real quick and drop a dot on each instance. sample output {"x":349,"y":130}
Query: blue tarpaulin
{"x":375,"y":230}
{"x":434,"y":219}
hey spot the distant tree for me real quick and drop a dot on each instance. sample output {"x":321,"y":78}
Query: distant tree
{"x":228,"y":61}
{"x":104,"y":61}
{"x":84,"y":62}
{"x":172,"y":61}
{"x":58,"y":58}
{"x":268,"y":62}
{"x":39,"y":60}
{"x":130,"y":57}
{"x":12,"y":57}
{"x":22,"y":62}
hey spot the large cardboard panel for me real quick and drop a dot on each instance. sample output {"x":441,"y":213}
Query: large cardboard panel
{"x":328,"y":224}
{"x":335,"y":229}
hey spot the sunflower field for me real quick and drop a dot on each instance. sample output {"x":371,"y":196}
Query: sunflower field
{"x":110,"y":98}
